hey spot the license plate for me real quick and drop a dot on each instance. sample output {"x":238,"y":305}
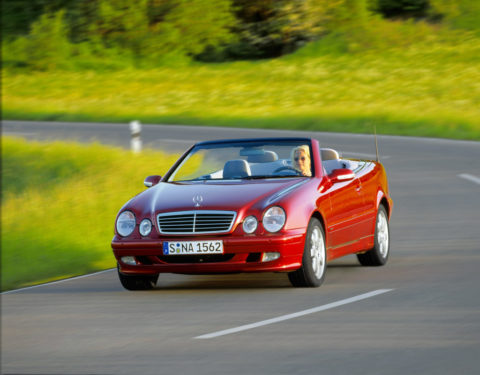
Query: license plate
{"x":192,"y":247}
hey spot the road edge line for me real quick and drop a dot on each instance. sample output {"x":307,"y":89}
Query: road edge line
{"x":57,"y":281}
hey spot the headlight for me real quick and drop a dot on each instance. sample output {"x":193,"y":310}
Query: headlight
{"x":274,"y":219}
{"x":126,"y":223}
{"x":250,"y":224}
{"x":145,"y":227}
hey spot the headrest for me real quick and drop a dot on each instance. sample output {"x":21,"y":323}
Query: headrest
{"x":236,"y":169}
{"x":266,"y":157}
{"x":329,"y":154}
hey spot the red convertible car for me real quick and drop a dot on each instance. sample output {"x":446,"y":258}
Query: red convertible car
{"x":254,"y":205}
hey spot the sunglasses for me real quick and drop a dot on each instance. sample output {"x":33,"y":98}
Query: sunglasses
{"x":303,"y":158}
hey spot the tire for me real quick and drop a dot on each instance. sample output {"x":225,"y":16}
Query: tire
{"x":378,"y":255}
{"x":137,"y":282}
{"x":314,"y":261}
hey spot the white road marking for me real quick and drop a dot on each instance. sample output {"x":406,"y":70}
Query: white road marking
{"x":294,"y":315}
{"x":58,"y":281}
{"x":469,"y":177}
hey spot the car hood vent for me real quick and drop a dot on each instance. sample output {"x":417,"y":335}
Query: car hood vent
{"x":196,"y":222}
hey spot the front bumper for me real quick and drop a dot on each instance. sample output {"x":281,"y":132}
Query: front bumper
{"x":241,"y":254}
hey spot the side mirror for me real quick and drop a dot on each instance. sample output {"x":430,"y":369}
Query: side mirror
{"x":341,"y":175}
{"x":152,"y":180}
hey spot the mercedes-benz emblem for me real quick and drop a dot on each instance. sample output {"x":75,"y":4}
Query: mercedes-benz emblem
{"x":197,"y":199}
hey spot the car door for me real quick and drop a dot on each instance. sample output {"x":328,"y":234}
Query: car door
{"x":346,"y":208}
{"x":368,"y":176}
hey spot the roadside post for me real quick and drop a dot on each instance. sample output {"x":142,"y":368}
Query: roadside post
{"x":136,"y":140}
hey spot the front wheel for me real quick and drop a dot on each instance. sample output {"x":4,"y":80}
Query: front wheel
{"x":378,"y":255}
{"x":314,"y":261}
{"x":137,"y":282}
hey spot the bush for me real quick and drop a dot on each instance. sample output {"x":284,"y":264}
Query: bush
{"x":112,"y":34}
{"x":153,"y":32}
{"x":46,"y":47}
{"x":461,"y":14}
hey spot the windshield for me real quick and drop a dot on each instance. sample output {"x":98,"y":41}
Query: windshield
{"x":246,"y":160}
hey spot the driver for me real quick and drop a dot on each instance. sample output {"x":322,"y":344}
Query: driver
{"x":301,"y":160}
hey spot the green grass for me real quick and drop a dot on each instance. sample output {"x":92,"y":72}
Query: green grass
{"x":59,"y":202}
{"x":431,"y":88}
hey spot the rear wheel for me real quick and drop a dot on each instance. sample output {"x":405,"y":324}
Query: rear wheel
{"x":137,"y":282}
{"x":314,"y":261}
{"x":378,"y":255}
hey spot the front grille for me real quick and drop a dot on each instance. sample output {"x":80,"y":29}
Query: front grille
{"x":196,"y":222}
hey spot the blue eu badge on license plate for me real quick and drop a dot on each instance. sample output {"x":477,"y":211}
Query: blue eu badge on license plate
{"x":165,"y":248}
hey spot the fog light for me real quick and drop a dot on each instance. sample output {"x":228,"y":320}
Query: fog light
{"x":145,"y":227}
{"x":129,"y":260}
{"x":250,"y":224}
{"x":268,"y":257}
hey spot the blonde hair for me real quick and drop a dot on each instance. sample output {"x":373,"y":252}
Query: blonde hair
{"x":303,"y":148}
{"x":306,"y":150}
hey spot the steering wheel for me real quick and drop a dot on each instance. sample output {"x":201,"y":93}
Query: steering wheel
{"x":287,"y":168}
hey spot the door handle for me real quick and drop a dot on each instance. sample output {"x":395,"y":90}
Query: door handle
{"x":358,"y":188}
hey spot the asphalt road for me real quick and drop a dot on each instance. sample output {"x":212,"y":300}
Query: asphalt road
{"x":424,"y":320}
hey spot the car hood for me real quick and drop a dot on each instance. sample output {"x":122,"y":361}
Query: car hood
{"x":168,"y":196}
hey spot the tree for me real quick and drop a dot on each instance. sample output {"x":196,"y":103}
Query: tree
{"x":152,"y":29}
{"x":46,"y":46}
{"x":195,"y":25}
